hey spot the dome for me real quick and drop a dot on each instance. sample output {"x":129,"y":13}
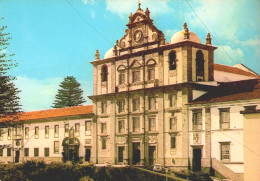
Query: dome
{"x":179,"y":37}
{"x":109,"y":53}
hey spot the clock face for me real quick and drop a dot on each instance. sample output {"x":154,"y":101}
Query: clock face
{"x":138,"y":36}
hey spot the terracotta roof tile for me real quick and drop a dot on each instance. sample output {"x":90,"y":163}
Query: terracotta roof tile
{"x":230,"y":91}
{"x":234,"y":70}
{"x":58,"y":112}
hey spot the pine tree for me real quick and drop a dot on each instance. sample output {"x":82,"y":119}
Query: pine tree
{"x":69,"y":94}
{"x":9,"y":99}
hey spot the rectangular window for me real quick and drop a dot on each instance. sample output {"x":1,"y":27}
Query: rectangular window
{"x":103,"y":107}
{"x":136,"y":124}
{"x":46,"y":131}
{"x":225,"y":153}
{"x":136,"y":105}
{"x":17,"y":131}
{"x":66,"y":128}
{"x":121,"y":78}
{"x":103,"y":127}
{"x":173,"y":142}
{"x":36,"y":132}
{"x":152,"y":125}
{"x":9,"y":134}
{"x":26,"y":132}
{"x":121,"y":106}
{"x":1,"y":151}
{"x":87,"y":125}
{"x":104,"y":143}
{"x":56,"y":147}
{"x":36,"y":152}
{"x":197,"y":120}
{"x":46,"y":152}
{"x":151,"y":73}
{"x":136,"y":76}
{"x":9,"y":151}
{"x":56,"y":131}
{"x":152,"y":103}
{"x":173,"y":124}
{"x":77,"y":128}
{"x":121,"y":126}
{"x":224,"y":118}
{"x":26,"y":152}
{"x":173,"y":99}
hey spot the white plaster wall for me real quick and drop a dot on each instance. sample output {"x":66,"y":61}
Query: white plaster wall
{"x":220,"y":76}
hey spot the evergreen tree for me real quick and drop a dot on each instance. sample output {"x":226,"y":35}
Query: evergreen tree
{"x":9,"y":99}
{"x":69,"y":94}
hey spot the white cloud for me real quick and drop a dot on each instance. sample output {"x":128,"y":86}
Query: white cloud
{"x":234,"y":55}
{"x":250,"y":42}
{"x":125,"y":7}
{"x":39,"y":94}
{"x":88,"y":1}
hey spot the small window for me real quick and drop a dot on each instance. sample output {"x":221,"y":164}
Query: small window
{"x":1,"y":151}
{"x":26,"y":152}
{"x":172,"y":60}
{"x":104,"y":143}
{"x":87,"y":125}
{"x":9,"y":134}
{"x":173,"y":142}
{"x":199,"y":66}
{"x":104,"y":128}
{"x":151,"y":73}
{"x":26,"y":132}
{"x":136,"y":76}
{"x":136,"y":105}
{"x":121,"y":106}
{"x":104,"y":73}
{"x":225,"y":151}
{"x":17,"y":131}
{"x":224,"y":118}
{"x":9,"y":151}
{"x":77,"y":128}
{"x":36,"y":152}
{"x":173,"y":124}
{"x":56,"y":131}
{"x":121,"y":78}
{"x":173,"y":100}
{"x":66,"y":128}
{"x":56,"y":147}
{"x":36,"y":132}
{"x":46,"y":131}
{"x":152,"y":124}
{"x":136,"y":124}
{"x":103,"y":107}
{"x":152,"y":103}
{"x":197,"y":120}
{"x":46,"y":152}
{"x":121,"y":126}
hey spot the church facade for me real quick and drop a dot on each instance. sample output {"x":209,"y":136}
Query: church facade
{"x":153,"y":102}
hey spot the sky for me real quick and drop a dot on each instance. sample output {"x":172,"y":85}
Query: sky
{"x":53,"y":39}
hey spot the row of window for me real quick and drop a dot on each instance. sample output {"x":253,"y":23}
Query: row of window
{"x":224,"y":115}
{"x":136,"y":104}
{"x":36,"y":151}
{"x":136,"y":125}
{"x":151,"y":70}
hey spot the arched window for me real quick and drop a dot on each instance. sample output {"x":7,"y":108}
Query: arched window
{"x":104,"y":73}
{"x":172,"y":60}
{"x":199,"y":66}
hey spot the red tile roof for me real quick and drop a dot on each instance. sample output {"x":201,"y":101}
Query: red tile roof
{"x":231,"y":91}
{"x":53,"y":113}
{"x":233,"y":70}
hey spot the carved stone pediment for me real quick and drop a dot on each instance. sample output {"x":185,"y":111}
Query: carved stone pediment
{"x":121,"y":140}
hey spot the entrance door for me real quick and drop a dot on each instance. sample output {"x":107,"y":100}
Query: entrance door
{"x":152,"y":155}
{"x":17,"y":156}
{"x":196,"y":159}
{"x":136,"y":153}
{"x":71,"y":152}
{"x":87,"y":154}
{"x":120,"y":154}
